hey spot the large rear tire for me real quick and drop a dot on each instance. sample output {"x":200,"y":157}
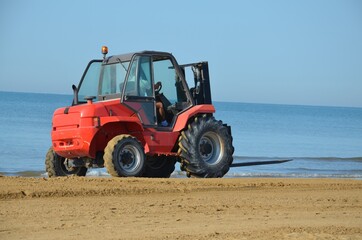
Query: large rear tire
{"x":205,"y":148}
{"x":124,"y":156}
{"x":56,"y":166}
{"x":159,"y":166}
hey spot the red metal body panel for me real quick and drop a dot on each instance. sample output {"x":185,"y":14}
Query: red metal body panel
{"x":183,"y":118}
{"x":78,"y":132}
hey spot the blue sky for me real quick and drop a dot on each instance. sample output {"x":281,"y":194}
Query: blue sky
{"x":289,"y":52}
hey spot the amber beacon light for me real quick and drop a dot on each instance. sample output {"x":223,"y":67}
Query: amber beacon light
{"x":104,"y":51}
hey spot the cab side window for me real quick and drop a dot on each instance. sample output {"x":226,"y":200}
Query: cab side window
{"x":164,"y":72}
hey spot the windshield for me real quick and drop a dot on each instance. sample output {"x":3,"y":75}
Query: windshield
{"x":102,"y":81}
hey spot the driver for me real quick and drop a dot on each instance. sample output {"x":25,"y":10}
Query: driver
{"x":145,"y":91}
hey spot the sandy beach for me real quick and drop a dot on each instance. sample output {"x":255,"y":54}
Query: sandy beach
{"x":134,"y":208}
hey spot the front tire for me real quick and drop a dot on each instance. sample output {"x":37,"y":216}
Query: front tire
{"x":56,"y":166}
{"x":124,"y":156}
{"x":205,"y":148}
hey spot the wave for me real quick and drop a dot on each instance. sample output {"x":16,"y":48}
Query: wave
{"x":246,"y":158}
{"x":23,"y":174}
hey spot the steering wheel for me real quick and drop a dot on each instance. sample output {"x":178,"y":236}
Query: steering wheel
{"x":158,"y":87}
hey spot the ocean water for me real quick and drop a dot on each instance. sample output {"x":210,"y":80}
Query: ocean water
{"x":322,"y":141}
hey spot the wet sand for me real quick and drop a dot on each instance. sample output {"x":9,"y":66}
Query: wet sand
{"x":134,"y":208}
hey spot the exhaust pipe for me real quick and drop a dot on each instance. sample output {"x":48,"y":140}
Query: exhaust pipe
{"x":75,"y":93}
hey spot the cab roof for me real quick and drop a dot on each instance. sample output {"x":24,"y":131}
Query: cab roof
{"x":128,"y":56}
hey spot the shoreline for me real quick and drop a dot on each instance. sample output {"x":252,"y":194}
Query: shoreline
{"x":249,"y":167}
{"x":180,"y":174}
{"x":138,"y":208}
